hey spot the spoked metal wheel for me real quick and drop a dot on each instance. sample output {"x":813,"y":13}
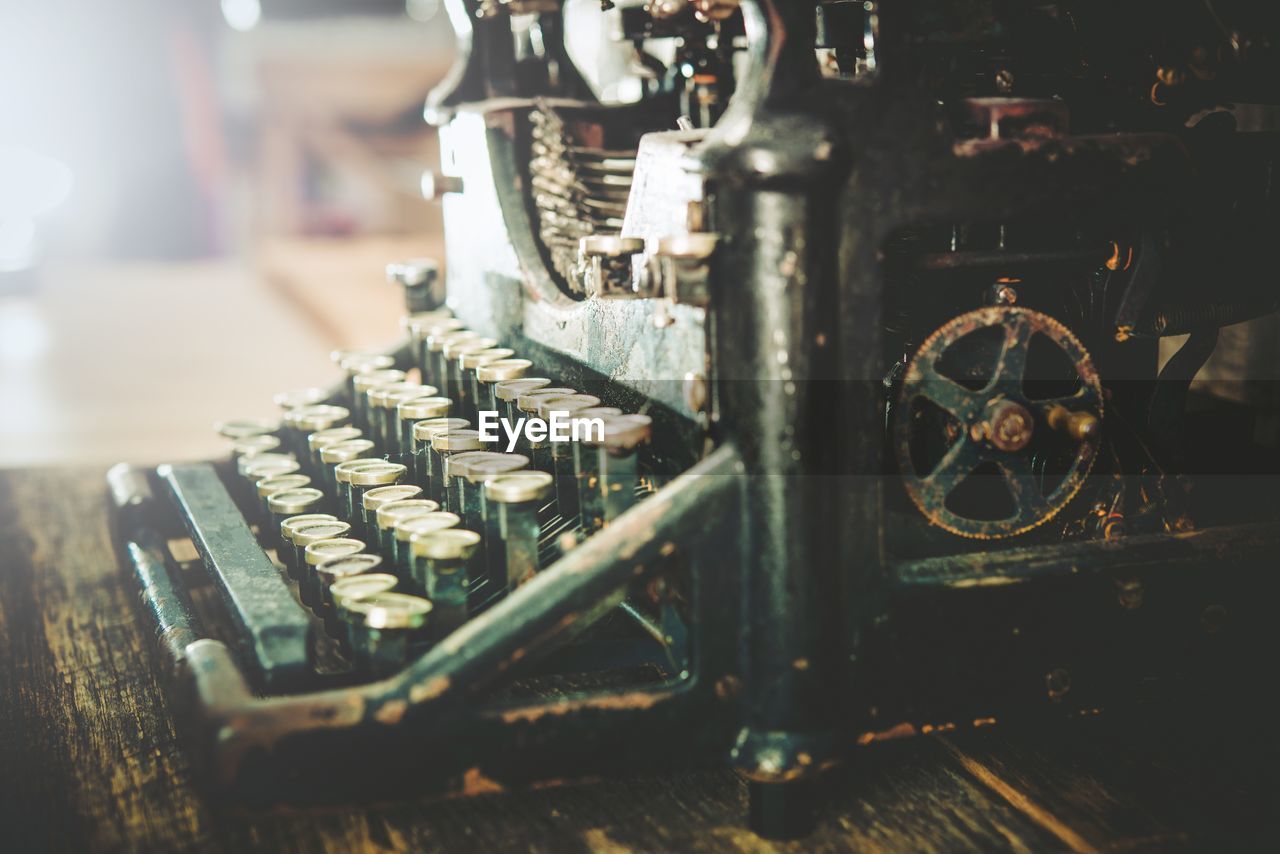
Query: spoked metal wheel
{"x":970,"y":423}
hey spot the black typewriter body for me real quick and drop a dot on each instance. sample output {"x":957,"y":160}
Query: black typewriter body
{"x":889,"y":282}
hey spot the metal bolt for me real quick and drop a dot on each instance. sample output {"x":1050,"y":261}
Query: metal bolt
{"x":435,"y":185}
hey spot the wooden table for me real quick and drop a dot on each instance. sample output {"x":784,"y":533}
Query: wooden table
{"x":90,"y":760}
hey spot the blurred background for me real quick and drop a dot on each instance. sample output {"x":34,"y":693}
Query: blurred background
{"x":197,"y":202}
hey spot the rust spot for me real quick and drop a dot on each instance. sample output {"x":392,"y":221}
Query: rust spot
{"x":668,"y":549}
{"x":474,"y":782}
{"x":728,"y":687}
{"x":981,"y":722}
{"x":902,"y":730}
{"x":800,"y":664}
{"x":391,"y":712}
{"x":429,"y":690}
{"x":633,"y":700}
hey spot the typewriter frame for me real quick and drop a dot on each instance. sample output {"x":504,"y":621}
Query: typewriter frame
{"x":809,"y":643}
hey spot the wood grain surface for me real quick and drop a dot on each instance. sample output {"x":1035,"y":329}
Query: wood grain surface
{"x":90,"y":758}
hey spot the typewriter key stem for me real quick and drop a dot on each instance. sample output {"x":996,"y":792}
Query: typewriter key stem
{"x":304,"y":536}
{"x":391,"y":514}
{"x":342,"y":493}
{"x":489,"y":375}
{"x":384,"y":626}
{"x":442,"y":565}
{"x":335,"y":570}
{"x":424,"y":461}
{"x":417,"y":277}
{"x":404,"y":532}
{"x":409,"y":413}
{"x":516,"y":498}
{"x":311,"y":588}
{"x":344,"y":591}
{"x":363,"y":480}
{"x":286,"y":552}
{"x":291,"y":502}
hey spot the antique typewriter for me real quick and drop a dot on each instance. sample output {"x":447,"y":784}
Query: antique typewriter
{"x":885,"y":318}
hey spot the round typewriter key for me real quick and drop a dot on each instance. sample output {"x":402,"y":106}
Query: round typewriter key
{"x":332,"y":456}
{"x":513,"y":501}
{"x":243,"y":428}
{"x":458,"y":387}
{"x":383,"y":627}
{"x":305,"y":535}
{"x":287,"y":527}
{"x":246,"y":466}
{"x":436,"y":362}
{"x":362,"y":384}
{"x":469,"y":359}
{"x":365,"y":479}
{"x":269,"y":486}
{"x":421,"y":329}
{"x":295,"y":398}
{"x":261,"y":467}
{"x":406,"y":529}
{"x":527,"y":406}
{"x":355,"y":362}
{"x":359,"y":357}
{"x":354,"y":589}
{"x":470,"y":488}
{"x":418,"y":323}
{"x":424,"y":459}
{"x":311,"y":419}
{"x":393,"y":513}
{"x":608,"y":468}
{"x":554,"y":410}
{"x":417,"y":326}
{"x":291,"y":502}
{"x":378,"y":497}
{"x":317,"y":442}
{"x":453,"y":468}
{"x":374,"y":398}
{"x":342,"y":481}
{"x":302,"y":422}
{"x":453,"y":353}
{"x":410,"y":412}
{"x":557,"y":456}
{"x":312,"y":590}
{"x":442,"y":564}
{"x":527,"y":402}
{"x":505,"y":393}
{"x":416,"y":277}
{"x":599,"y":412}
{"x":444,"y":445}
{"x":338,"y":569}
{"x":467,"y":487}
{"x":251,"y":446}
{"x":475,"y":394}
{"x":491,"y":373}
{"x":384,"y":404}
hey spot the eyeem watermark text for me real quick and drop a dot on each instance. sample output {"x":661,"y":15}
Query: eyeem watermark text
{"x":560,"y":427}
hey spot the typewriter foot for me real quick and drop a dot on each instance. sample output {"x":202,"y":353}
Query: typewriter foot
{"x":781,"y":810}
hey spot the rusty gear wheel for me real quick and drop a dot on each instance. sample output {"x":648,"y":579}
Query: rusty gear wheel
{"x":993,"y":423}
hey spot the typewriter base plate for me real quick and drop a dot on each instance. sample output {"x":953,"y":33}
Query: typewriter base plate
{"x":93,"y":760}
